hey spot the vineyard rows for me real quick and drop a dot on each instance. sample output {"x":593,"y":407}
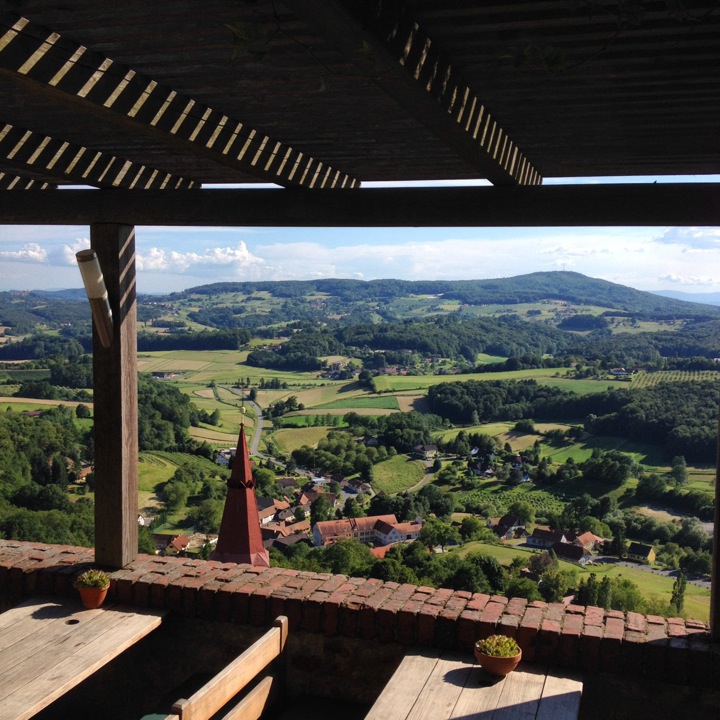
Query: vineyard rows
{"x":646,"y":380}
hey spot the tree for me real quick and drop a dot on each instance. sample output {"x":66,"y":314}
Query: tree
{"x":82,"y":411}
{"x":677,"y":599}
{"x":146,"y":544}
{"x":618,"y":545}
{"x":523,"y":588}
{"x":348,"y":557}
{"x":678,"y":470}
{"x":588,"y":591}
{"x":524,"y":510}
{"x":435,"y":532}
{"x":470,"y":528}
{"x":320,"y":509}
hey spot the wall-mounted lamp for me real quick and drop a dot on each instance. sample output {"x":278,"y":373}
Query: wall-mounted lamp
{"x":97,"y":295}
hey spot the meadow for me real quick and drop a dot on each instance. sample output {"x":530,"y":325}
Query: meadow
{"x":697,"y":599}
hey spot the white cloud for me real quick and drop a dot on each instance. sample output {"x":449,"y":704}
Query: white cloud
{"x":226,"y":261}
{"x":30,"y":252}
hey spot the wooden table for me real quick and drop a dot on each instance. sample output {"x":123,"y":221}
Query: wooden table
{"x":433,"y":686}
{"x":48,"y":645}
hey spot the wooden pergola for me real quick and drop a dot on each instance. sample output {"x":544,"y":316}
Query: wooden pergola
{"x":145,"y":103}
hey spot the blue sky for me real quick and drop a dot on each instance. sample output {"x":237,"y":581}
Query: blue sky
{"x":171,"y":259}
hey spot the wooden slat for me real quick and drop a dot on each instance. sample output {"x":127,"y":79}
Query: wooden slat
{"x":520,"y":696}
{"x":253,"y":705}
{"x":37,"y":55}
{"x":442,"y":691}
{"x":234,"y":676}
{"x":560,"y":698}
{"x":68,"y":162}
{"x":18,"y":182}
{"x":480,"y":696}
{"x":405,"y":685}
{"x":389,"y":46}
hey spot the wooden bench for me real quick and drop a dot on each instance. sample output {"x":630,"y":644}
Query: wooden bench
{"x":234,"y":678}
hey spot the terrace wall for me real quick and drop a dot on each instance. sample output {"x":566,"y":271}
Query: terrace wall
{"x":341,"y":626}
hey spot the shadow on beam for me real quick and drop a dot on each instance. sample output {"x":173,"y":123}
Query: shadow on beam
{"x":543,"y":206}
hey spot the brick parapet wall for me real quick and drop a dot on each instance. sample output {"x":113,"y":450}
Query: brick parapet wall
{"x":338,"y":606}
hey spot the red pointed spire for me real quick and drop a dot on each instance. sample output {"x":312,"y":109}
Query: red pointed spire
{"x":240,"y":539}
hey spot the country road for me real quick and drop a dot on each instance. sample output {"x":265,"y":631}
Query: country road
{"x":255,"y":441}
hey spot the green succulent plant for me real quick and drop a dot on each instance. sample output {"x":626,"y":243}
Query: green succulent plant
{"x":92,"y":579}
{"x":498,"y":646}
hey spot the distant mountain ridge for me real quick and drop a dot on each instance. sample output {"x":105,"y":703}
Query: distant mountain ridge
{"x":558,"y":285}
{"x":705,"y":298}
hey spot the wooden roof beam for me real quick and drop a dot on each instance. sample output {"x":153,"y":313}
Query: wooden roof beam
{"x":388,"y":46}
{"x":66,"y":70}
{"x":52,"y":157}
{"x":619,"y":205}
{"x":18,"y":182}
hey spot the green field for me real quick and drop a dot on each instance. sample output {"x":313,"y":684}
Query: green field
{"x":289,"y":439}
{"x":551,"y":377}
{"x":397,"y":474}
{"x":387,"y":402}
{"x":697,"y":600}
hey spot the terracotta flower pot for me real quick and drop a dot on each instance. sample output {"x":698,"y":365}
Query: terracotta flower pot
{"x":92,"y":597}
{"x":497,"y":665}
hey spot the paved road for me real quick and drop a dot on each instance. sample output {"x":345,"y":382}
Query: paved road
{"x":255,"y":441}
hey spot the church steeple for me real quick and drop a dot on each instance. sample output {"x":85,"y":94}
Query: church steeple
{"x":240,"y":539}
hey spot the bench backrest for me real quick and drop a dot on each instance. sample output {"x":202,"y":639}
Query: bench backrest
{"x":235,"y":677}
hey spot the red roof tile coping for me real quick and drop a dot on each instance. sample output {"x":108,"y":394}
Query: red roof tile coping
{"x":389,"y":612}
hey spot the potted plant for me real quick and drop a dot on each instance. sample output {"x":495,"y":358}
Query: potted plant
{"x":498,"y":654}
{"x":93,"y":586}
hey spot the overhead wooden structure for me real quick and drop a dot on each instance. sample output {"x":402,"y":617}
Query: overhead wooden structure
{"x":329,"y":93}
{"x":149,"y":101}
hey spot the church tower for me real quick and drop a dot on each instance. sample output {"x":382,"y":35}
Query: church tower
{"x":240,"y":539}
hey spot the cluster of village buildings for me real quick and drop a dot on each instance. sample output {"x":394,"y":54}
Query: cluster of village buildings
{"x":568,"y":546}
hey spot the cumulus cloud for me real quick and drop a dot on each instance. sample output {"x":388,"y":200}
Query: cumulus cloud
{"x":65,"y":254}
{"x":30,"y":252}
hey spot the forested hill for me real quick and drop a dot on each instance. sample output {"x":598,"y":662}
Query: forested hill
{"x":564,"y":286}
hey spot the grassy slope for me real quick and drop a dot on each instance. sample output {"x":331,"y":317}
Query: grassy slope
{"x":697,"y":600}
{"x":396,"y":474}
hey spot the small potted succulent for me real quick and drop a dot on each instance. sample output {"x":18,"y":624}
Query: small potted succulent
{"x":93,"y":586}
{"x":498,"y":654}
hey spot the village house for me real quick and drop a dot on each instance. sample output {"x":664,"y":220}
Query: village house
{"x":391,"y":533}
{"x":572,"y":553}
{"x":425,"y":452}
{"x":545,"y":538}
{"x":268,"y":508}
{"x":508,"y":527}
{"x":641,"y":553}
{"x":589,"y":541}
{"x":376,"y":529}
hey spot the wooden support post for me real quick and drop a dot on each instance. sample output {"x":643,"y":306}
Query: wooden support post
{"x":115,"y":400}
{"x":715,"y":568}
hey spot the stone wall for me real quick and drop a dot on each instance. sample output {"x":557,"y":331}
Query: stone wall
{"x":341,"y":626}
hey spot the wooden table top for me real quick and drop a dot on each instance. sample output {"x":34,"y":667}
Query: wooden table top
{"x":429,"y":685}
{"x":49,"y":645}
